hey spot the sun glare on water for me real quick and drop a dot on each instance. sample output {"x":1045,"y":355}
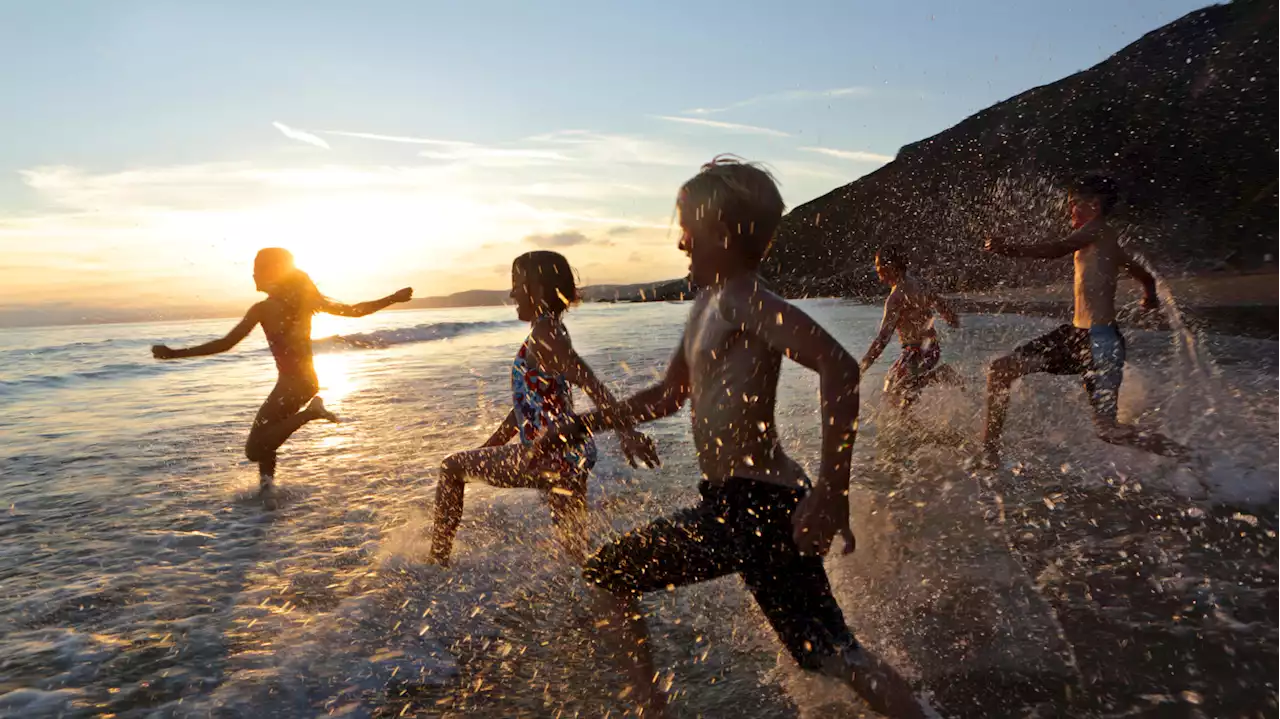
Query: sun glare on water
{"x":323,"y":325}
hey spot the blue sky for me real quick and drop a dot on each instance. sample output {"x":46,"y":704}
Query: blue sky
{"x":153,"y":146}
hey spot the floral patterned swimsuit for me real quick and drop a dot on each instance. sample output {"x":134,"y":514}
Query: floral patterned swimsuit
{"x":541,"y":399}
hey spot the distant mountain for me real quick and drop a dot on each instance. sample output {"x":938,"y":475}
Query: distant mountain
{"x":670,"y":290}
{"x":1185,"y":118}
{"x":60,"y":314}
{"x":469,"y":298}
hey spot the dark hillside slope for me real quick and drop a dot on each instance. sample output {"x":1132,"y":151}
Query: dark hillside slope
{"x":1185,"y":118}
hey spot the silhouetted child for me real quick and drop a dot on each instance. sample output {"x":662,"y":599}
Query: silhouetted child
{"x":543,"y":287}
{"x":758,"y":516}
{"x":1091,"y":345}
{"x":909,"y":311}
{"x":285,"y":316}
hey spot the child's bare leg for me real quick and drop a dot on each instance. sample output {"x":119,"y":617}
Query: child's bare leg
{"x":569,"y":514}
{"x":268,"y":433}
{"x":1153,"y":442}
{"x":496,"y":465}
{"x":448,"y":515}
{"x":895,"y":394}
{"x":628,"y":639}
{"x":1000,"y":377}
{"x":943,"y":374}
{"x":878,"y":683}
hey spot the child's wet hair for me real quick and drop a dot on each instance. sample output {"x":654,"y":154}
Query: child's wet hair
{"x":276,"y":260}
{"x":292,"y":286}
{"x":893,"y":257}
{"x":1099,"y":185}
{"x":552,"y":273}
{"x":741,"y":195}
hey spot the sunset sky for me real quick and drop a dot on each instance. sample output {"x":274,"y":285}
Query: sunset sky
{"x":152,"y":147}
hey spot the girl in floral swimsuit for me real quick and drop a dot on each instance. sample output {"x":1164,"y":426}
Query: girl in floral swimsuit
{"x":543,"y":287}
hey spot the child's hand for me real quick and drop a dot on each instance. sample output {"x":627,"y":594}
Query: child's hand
{"x":639,"y":449}
{"x":558,"y":434}
{"x":1150,"y":302}
{"x":403,"y":295}
{"x":161,"y":352}
{"x":817,"y":521}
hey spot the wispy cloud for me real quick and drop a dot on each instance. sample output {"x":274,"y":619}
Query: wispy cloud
{"x":780,"y":97}
{"x":729,"y":126}
{"x":854,"y":155}
{"x":428,"y":212}
{"x":606,"y":149}
{"x":300,"y":136}
{"x":403,"y":139}
{"x":559,"y":239}
{"x":495,"y":156}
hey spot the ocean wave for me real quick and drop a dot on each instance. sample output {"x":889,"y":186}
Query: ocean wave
{"x":108,"y":371}
{"x":18,"y":354}
{"x":430,"y":332}
{"x":378,"y":339}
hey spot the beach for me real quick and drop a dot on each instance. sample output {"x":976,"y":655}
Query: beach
{"x":141,"y":578}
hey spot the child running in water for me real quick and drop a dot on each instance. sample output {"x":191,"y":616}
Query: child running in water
{"x":1091,"y":345}
{"x":543,"y":287}
{"x":285,"y":316}
{"x":910,"y":312}
{"x":758,"y":516}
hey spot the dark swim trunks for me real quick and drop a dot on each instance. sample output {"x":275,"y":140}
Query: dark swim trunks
{"x":742,"y":526}
{"x":908,"y":372}
{"x":1097,"y":354}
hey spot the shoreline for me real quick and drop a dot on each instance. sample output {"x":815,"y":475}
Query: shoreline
{"x":1249,"y":321}
{"x":1242,"y":305}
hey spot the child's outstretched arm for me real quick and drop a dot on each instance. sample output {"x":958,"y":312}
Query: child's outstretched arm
{"x":361,"y":309}
{"x":889,"y":323}
{"x":222,"y":344}
{"x":1077,"y":240}
{"x":1150,"y":300}
{"x":504,"y":432}
{"x":661,"y":400}
{"x":824,"y":512}
{"x":945,"y":309}
{"x":555,"y":352}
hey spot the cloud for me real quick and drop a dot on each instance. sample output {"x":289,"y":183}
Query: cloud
{"x":605,"y":149}
{"x":779,"y":97}
{"x":496,"y":156}
{"x":854,"y":155}
{"x":559,"y":239}
{"x":190,"y":230}
{"x":403,"y":139}
{"x":300,"y":136}
{"x":730,"y":126}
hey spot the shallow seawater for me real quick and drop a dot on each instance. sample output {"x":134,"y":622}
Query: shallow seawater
{"x":140,"y":577}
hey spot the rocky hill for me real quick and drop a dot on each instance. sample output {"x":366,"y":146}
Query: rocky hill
{"x":1185,"y":118}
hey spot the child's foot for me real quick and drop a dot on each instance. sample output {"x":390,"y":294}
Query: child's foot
{"x":317,"y":408}
{"x":651,"y":702}
{"x":437,"y":558}
{"x":268,"y":493}
{"x":877,"y":683}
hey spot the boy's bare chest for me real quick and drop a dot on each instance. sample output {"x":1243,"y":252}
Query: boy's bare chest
{"x":708,"y":336}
